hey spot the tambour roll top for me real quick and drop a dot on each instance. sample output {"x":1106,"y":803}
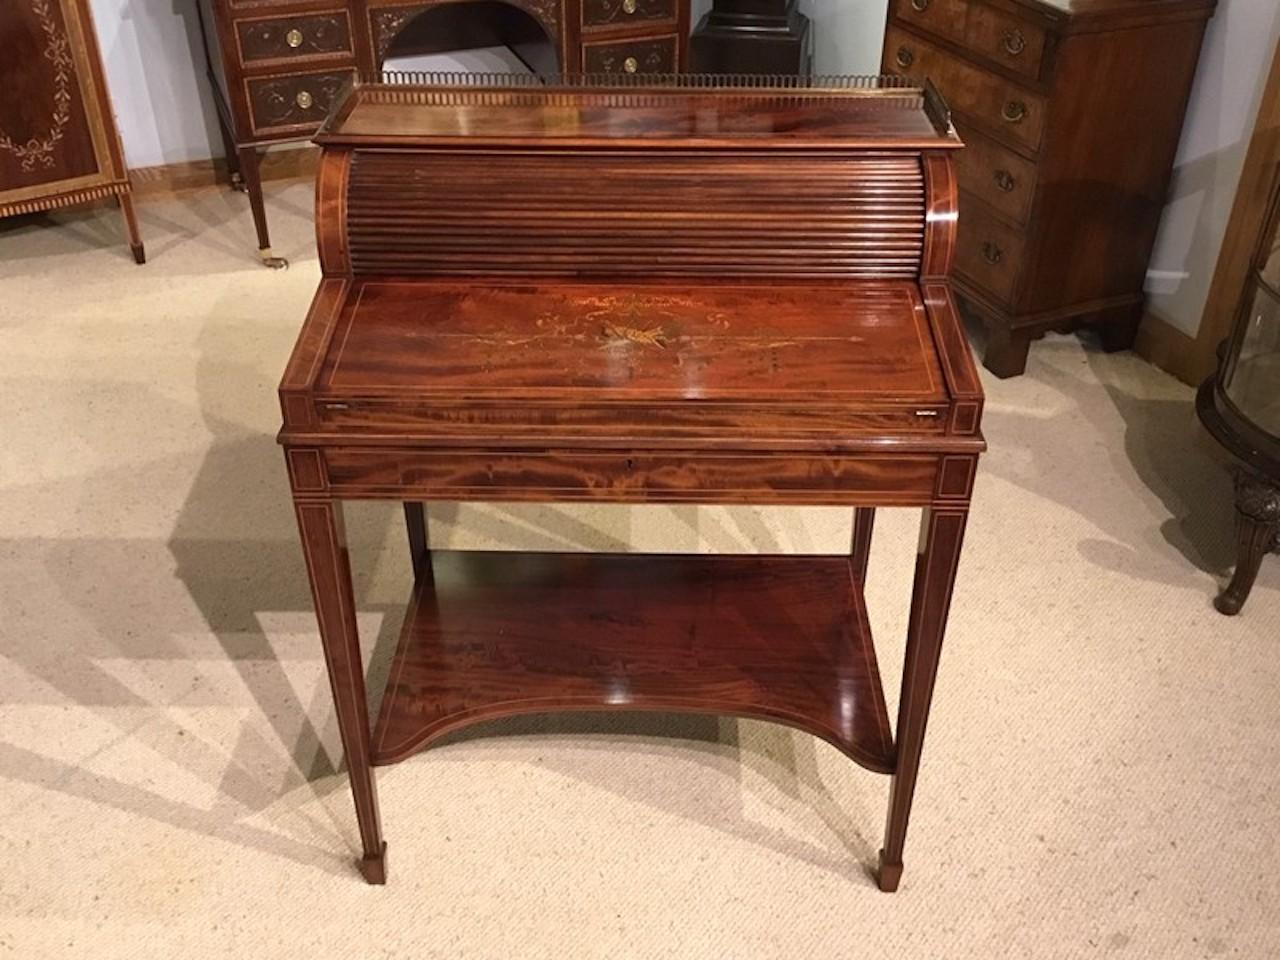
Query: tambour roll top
{"x":670,"y":178}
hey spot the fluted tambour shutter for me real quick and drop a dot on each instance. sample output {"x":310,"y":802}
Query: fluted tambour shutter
{"x":630,"y":214}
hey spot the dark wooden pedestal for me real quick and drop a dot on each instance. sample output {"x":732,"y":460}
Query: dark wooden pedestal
{"x":753,"y":36}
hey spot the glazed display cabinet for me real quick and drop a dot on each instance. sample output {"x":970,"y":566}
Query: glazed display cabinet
{"x":1240,"y":406}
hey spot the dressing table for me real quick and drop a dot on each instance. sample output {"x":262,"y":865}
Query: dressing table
{"x":635,"y":292}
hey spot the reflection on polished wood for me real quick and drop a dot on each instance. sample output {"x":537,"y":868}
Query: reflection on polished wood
{"x":501,"y":634}
{"x":640,"y":294}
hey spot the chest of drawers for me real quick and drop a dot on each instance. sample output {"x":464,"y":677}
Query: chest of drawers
{"x":1071,"y":111}
{"x":277,"y":66}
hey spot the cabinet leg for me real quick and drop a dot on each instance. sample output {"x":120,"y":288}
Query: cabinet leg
{"x":1257,"y":533}
{"x":1006,"y":353}
{"x":131,"y":228}
{"x":232,"y":154}
{"x":942,"y":534}
{"x":249,"y":169}
{"x":329,"y":569}
{"x":415,"y":519}
{"x":864,"y":520}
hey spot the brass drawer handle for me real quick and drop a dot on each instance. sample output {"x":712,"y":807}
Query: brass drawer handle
{"x":1014,"y":42}
{"x":920,"y":6}
{"x":992,"y":253}
{"x":304,"y":99}
{"x":294,"y":38}
{"x":1015,"y":111}
{"x":1005,"y":181}
{"x":628,"y":6}
{"x":631,"y":65}
{"x":905,"y":57}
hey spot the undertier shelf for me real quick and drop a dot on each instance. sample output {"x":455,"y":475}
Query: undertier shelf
{"x":781,"y":638}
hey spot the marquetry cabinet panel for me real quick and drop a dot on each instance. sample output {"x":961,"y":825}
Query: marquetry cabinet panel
{"x":58,"y":140}
{"x":278,"y":66}
{"x":1071,"y":111}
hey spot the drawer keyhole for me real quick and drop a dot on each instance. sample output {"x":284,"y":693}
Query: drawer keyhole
{"x":1005,"y":181}
{"x":905,"y":57}
{"x":992,"y":253}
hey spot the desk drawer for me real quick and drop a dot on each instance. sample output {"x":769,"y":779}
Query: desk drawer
{"x":988,"y":253}
{"x":619,"y":13}
{"x":294,"y":102}
{"x":631,"y":477}
{"x":983,"y":31}
{"x":658,"y":55}
{"x":299,"y":38}
{"x":1004,"y":108}
{"x":998,"y":176}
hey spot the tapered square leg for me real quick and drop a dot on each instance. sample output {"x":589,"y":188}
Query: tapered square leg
{"x":864,"y":521}
{"x":415,"y":521}
{"x":250,"y":162}
{"x":131,"y":228}
{"x":329,"y":570}
{"x":942,"y":535}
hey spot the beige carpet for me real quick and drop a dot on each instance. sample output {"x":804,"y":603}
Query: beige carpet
{"x":1101,"y":775}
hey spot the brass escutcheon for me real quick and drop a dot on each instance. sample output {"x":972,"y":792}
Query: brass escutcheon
{"x":304,"y":99}
{"x":293,"y":38}
{"x":631,"y":64}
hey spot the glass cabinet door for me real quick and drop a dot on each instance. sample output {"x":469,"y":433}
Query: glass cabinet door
{"x":1252,"y":372}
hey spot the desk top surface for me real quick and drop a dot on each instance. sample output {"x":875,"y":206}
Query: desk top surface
{"x":789,"y":344}
{"x":855,"y":112}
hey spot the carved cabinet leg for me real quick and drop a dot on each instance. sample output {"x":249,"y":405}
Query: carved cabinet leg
{"x":415,"y":519}
{"x":864,"y":520}
{"x":941,"y":537}
{"x":249,"y":169}
{"x":1257,"y":533}
{"x":329,"y":568}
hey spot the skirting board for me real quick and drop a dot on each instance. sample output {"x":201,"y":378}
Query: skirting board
{"x":1165,"y":346}
{"x":284,"y":164}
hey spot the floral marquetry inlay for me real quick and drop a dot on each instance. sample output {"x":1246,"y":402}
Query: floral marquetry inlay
{"x":387,"y":23}
{"x":39,"y":150}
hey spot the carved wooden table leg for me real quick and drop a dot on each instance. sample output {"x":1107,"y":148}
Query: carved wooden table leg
{"x":864,"y":520}
{"x":942,"y":535}
{"x":1257,"y":533}
{"x":329,"y":568}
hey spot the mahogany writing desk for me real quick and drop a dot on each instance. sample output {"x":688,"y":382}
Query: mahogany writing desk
{"x":648,"y":292}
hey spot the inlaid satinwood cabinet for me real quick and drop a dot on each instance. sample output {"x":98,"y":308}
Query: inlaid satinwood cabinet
{"x":278,"y":65}
{"x":1071,"y":111}
{"x":58,"y":139}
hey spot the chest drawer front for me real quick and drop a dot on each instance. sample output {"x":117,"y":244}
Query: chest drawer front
{"x":1004,"y":108}
{"x":617,"y":13}
{"x":294,"y":102}
{"x":984,"y":31}
{"x":294,"y":38}
{"x":631,"y":56}
{"x":998,"y":176}
{"x":1009,"y":41}
{"x":988,"y":253}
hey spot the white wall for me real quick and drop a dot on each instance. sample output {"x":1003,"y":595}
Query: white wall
{"x":156,"y":73}
{"x":1239,"y":45}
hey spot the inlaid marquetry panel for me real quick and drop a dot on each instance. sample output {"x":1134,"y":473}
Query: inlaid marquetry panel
{"x":295,"y":38}
{"x":613,"y":13}
{"x":288,"y":102}
{"x":631,"y":56}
